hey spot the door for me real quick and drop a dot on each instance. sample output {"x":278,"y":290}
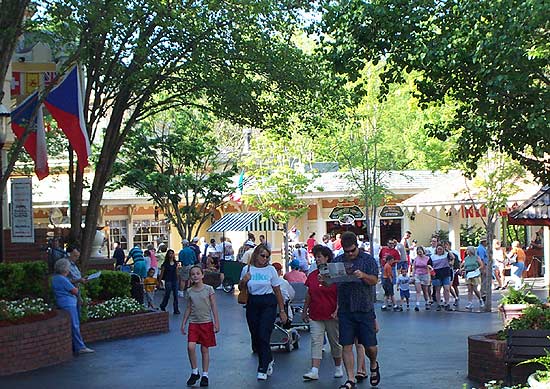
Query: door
{"x":389,"y":229}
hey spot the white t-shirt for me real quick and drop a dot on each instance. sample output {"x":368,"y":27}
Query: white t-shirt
{"x":262,"y":279}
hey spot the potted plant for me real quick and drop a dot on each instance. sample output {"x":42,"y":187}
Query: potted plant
{"x":541,"y":378}
{"x":514,"y":301}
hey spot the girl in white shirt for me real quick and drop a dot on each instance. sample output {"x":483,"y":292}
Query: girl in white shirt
{"x":264,"y":295}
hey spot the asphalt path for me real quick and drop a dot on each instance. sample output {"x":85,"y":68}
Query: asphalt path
{"x":425,"y":349}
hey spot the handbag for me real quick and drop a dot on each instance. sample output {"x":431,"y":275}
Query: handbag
{"x":473,"y":274}
{"x":242,"y":297}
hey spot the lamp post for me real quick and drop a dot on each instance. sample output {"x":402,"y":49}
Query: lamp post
{"x":4,"y":119}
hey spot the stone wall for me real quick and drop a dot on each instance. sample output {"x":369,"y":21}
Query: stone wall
{"x":31,"y":346}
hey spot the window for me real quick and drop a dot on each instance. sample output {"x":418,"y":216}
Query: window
{"x":118,"y":232}
{"x":150,"y":231}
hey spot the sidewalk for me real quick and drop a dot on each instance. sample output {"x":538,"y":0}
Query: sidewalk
{"x":425,"y":349}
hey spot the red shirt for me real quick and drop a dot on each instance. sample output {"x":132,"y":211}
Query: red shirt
{"x":337,"y":245}
{"x":322,"y":298}
{"x":310,"y":243}
{"x":387,"y":251}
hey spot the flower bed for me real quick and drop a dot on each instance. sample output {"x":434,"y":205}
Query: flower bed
{"x":118,"y":306}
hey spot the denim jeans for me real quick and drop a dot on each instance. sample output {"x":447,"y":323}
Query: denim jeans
{"x":78,"y":342}
{"x":170,"y":287}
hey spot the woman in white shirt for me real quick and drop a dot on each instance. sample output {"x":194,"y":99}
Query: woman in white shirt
{"x":264,"y":295}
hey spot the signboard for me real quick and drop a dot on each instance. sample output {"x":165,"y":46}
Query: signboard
{"x":339,"y":212}
{"x":22,"y":226}
{"x":391,"y":211}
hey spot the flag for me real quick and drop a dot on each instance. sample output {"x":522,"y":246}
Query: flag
{"x":32,"y":82}
{"x":36,"y":141}
{"x":65,"y":104}
{"x":15,"y":84}
{"x":49,"y":78}
{"x":237,"y":197}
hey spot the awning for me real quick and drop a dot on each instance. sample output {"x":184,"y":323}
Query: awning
{"x":244,"y":221}
{"x":533,"y":212}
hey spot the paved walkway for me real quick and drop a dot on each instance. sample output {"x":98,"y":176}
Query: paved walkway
{"x":425,"y":349}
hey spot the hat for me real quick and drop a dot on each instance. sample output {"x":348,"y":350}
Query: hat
{"x":295,"y":264}
{"x":184,"y":242}
{"x":195,"y":239}
{"x":249,"y":243}
{"x":278,"y":266}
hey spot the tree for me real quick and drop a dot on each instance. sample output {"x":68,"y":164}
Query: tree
{"x":178,"y":159}
{"x":277,"y":180}
{"x":498,"y":177}
{"x":235,"y":58}
{"x":12,"y":14}
{"x":490,"y":58}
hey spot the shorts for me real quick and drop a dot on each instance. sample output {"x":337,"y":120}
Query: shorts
{"x":358,"y":325}
{"x":405,"y":294}
{"x":184,"y":272}
{"x":388,"y":287}
{"x":441,"y":281}
{"x":474,"y":281}
{"x":202,"y":333}
{"x":422,"y":279}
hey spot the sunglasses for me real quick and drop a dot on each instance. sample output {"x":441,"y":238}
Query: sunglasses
{"x":264,"y":255}
{"x":350,"y":251}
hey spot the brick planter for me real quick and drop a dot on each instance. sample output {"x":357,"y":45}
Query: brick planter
{"x":30,"y":346}
{"x":486,"y":360}
{"x":125,"y":326}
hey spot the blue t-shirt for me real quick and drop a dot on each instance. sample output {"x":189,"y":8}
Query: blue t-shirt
{"x":482,"y":253}
{"x":187,"y":256}
{"x":358,"y":296}
{"x":62,"y":290}
{"x":136,"y":254}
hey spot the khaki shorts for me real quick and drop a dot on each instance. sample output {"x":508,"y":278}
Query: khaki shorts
{"x":475,"y":281}
{"x":184,"y":272}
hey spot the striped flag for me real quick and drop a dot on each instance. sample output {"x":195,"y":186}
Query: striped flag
{"x":35,"y":145}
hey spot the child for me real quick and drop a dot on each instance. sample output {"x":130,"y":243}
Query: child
{"x":403,"y":281}
{"x":387,"y":283}
{"x":201,"y":306}
{"x":149,"y":284}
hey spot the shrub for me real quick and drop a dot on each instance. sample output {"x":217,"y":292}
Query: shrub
{"x":111,"y":284}
{"x":13,"y":310}
{"x":25,"y":279}
{"x":114,"y":307}
{"x":534,"y":317}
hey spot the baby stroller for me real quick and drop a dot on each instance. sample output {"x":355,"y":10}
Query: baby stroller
{"x":284,"y":336}
{"x":297,"y":305}
{"x":136,"y":289}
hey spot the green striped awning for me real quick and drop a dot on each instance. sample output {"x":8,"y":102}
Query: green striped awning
{"x":244,"y":221}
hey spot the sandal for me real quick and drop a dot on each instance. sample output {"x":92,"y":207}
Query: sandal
{"x":360,"y":376}
{"x":375,"y":375}
{"x":347,"y":385}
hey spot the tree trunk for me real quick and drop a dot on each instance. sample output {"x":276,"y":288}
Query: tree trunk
{"x":285,"y":242}
{"x":487,"y":288}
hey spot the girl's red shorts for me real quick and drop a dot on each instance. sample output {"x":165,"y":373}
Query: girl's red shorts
{"x":202,"y":333}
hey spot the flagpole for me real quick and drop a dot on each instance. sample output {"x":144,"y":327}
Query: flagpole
{"x":4,"y":115}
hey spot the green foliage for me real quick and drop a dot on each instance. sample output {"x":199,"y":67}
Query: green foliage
{"x":25,"y":279}
{"x":523,"y":295}
{"x":534,"y":317}
{"x":13,"y":310}
{"x":489,"y":58}
{"x":471,"y":235}
{"x":114,"y":307}
{"x":111,"y":284}
{"x":181,"y":159}
{"x":442,"y":235}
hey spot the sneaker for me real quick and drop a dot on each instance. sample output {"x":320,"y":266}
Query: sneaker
{"x":427,"y":307}
{"x":470,"y":305}
{"x":163,"y":309}
{"x":86,"y":350}
{"x":481,"y":304}
{"x":408,"y":307}
{"x":270,"y":367}
{"x":455,"y":303}
{"x":384,"y":307}
{"x":261,"y":376}
{"x":311,"y":375}
{"x":193,"y":379}
{"x":438,"y":307}
{"x":204,"y":381}
{"x":448,"y":307}
{"x":399,"y":309}
{"x":338,"y":372}
{"x":177,"y":312}
{"x":416,"y":308}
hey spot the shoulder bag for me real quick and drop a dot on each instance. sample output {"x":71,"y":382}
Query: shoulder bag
{"x":242,"y":298}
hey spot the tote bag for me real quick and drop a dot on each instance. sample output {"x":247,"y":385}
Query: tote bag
{"x":242,"y":298}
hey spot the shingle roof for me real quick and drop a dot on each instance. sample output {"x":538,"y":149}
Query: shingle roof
{"x":535,"y":208}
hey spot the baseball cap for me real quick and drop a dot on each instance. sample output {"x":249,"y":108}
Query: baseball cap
{"x":249,"y":243}
{"x":278,"y":266}
{"x":295,"y":264}
{"x":195,"y":239}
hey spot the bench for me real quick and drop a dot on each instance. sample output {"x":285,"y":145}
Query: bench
{"x":523,"y":345}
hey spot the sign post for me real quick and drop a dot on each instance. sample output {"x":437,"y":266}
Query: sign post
{"x":22,"y":225}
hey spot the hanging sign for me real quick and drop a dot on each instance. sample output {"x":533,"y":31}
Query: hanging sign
{"x":339,"y":212}
{"x":22,"y":228}
{"x":391,"y":211}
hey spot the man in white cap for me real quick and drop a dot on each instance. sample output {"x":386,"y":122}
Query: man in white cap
{"x":248,"y":253}
{"x":194,"y":245}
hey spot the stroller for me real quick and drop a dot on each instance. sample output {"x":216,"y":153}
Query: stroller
{"x":284,"y":336}
{"x":297,"y":305}
{"x":136,"y":289}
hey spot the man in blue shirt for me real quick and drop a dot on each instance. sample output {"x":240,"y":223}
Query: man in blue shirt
{"x":356,"y":307}
{"x":482,"y":251}
{"x":187,"y":259}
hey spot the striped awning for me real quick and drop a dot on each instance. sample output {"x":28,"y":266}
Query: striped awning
{"x":244,"y":221}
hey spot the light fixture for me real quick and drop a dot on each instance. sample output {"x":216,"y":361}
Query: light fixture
{"x":413,"y":215}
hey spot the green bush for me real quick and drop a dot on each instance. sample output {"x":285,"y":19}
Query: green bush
{"x":25,"y":279}
{"x":111,"y":284}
